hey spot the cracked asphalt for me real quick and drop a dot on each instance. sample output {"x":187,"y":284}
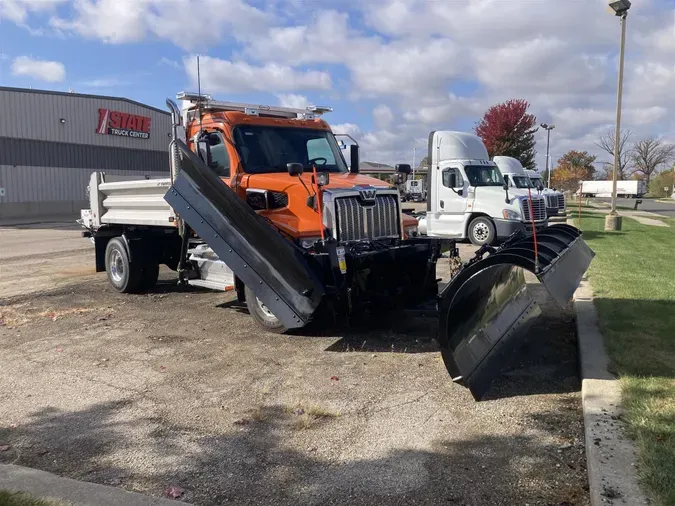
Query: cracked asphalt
{"x":181,"y":388}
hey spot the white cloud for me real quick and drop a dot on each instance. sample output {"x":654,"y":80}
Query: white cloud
{"x":241,"y":77}
{"x":43,"y":70}
{"x":383,"y":116}
{"x":186,"y":23}
{"x":18,"y":11}
{"x":293,"y":100}
{"x":169,"y":62}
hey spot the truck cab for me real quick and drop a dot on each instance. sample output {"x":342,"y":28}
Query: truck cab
{"x":555,"y":200}
{"x":251,"y":149}
{"x":468,"y":196}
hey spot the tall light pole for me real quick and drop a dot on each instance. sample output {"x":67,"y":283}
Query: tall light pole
{"x":413,"y":164}
{"x":548,"y":129}
{"x":620,"y":8}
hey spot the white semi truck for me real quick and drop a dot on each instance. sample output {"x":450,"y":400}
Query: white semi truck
{"x":469,"y":199}
{"x":627,"y":189}
{"x":520,"y":178}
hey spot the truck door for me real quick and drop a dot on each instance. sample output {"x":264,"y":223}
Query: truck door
{"x":451,"y":202}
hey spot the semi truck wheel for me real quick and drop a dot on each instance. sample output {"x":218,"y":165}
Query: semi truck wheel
{"x":262,"y":315}
{"x":123,"y":275}
{"x":149,"y":275}
{"x":482,"y":231}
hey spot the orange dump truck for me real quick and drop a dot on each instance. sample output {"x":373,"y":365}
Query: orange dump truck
{"x":262,"y":201}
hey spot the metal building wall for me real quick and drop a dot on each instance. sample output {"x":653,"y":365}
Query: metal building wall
{"x":46,"y":163}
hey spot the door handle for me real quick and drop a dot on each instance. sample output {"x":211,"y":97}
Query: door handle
{"x":442,"y":204}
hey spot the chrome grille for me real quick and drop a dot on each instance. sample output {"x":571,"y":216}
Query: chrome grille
{"x":552,"y":201}
{"x":356,"y":221}
{"x":561,"y":202}
{"x":538,"y":209}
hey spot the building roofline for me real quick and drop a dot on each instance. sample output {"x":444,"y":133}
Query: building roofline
{"x":81,"y":95}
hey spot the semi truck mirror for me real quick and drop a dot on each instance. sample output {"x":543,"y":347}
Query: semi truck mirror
{"x":294,"y":169}
{"x":403,"y":168}
{"x":540,"y":187}
{"x":354,"y":156}
{"x":460,"y":192}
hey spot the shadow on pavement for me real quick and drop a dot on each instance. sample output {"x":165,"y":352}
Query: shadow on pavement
{"x":252,"y":464}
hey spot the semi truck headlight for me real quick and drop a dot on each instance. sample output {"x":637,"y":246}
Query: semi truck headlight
{"x":510,"y":215}
{"x":308,"y":242}
{"x":411,"y":231}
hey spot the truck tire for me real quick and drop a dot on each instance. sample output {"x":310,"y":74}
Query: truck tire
{"x":482,"y":231}
{"x":263,"y":316}
{"x":124,"y":276}
{"x":149,"y":275}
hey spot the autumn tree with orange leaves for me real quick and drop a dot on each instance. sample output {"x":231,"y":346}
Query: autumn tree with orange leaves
{"x":572,"y":167}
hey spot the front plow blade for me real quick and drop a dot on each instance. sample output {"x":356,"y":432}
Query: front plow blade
{"x":486,"y":311}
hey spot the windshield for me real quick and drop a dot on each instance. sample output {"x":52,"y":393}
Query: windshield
{"x":522,"y":182}
{"x":537,"y":181}
{"x":483,"y":175}
{"x":266,"y":149}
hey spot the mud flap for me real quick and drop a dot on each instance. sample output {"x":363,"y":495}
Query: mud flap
{"x":274,"y":269}
{"x":486,"y":311}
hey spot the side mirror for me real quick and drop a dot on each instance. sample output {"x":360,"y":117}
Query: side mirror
{"x":540,"y":187}
{"x":294,"y":169}
{"x":354,"y":156}
{"x":204,"y":147}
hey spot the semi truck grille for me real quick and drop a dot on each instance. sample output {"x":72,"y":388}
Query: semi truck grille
{"x":561,"y":202}
{"x":356,"y":221}
{"x":538,"y":208}
{"x":552,"y":201}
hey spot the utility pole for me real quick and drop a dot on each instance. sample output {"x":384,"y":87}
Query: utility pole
{"x":548,"y":129}
{"x":413,"y":164}
{"x":613,"y":220}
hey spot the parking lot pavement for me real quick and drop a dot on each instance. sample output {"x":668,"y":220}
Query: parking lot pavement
{"x":37,"y":257}
{"x":180,"y":388}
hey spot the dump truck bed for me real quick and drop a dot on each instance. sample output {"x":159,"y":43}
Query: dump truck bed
{"x":118,"y":200}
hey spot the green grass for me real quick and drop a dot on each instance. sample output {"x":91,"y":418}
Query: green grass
{"x":633,"y":279}
{"x":20,"y":499}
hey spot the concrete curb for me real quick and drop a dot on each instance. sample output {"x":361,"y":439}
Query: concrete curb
{"x":47,"y":485}
{"x":610,"y":455}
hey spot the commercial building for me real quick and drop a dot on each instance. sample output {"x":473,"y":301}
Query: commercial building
{"x":51,"y":142}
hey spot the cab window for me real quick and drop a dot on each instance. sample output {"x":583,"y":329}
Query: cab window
{"x":319,"y":148}
{"x":220,"y":159}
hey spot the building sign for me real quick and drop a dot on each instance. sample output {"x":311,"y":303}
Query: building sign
{"x":123,"y":124}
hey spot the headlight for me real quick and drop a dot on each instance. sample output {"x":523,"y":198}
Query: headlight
{"x":510,"y":215}
{"x":410,"y":231}
{"x":308,"y":242}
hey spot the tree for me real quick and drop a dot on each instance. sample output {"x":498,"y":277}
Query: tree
{"x":650,"y":154}
{"x":661,"y":181}
{"x":606,"y":143}
{"x":572,"y":167}
{"x":508,"y":130}
{"x":424,"y":162}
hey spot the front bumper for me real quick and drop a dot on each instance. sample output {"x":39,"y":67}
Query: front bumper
{"x":506,"y":228}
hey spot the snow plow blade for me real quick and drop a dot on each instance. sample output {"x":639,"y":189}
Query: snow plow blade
{"x":274,"y":269}
{"x":486,"y":310}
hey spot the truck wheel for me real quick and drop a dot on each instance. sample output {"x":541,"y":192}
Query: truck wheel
{"x":123,"y":275}
{"x":149,"y":275}
{"x":262,"y":315}
{"x":482,"y":231}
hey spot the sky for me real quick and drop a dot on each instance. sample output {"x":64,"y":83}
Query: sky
{"x":393,"y":70}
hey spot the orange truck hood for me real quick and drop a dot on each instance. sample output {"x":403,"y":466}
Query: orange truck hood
{"x":297,"y":219}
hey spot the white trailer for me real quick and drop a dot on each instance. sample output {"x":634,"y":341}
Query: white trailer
{"x":627,"y":189}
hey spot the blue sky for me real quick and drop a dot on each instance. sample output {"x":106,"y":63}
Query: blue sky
{"x":392,"y":69}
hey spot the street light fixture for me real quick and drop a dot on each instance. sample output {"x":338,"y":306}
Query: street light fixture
{"x":620,"y":8}
{"x":548,"y":128}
